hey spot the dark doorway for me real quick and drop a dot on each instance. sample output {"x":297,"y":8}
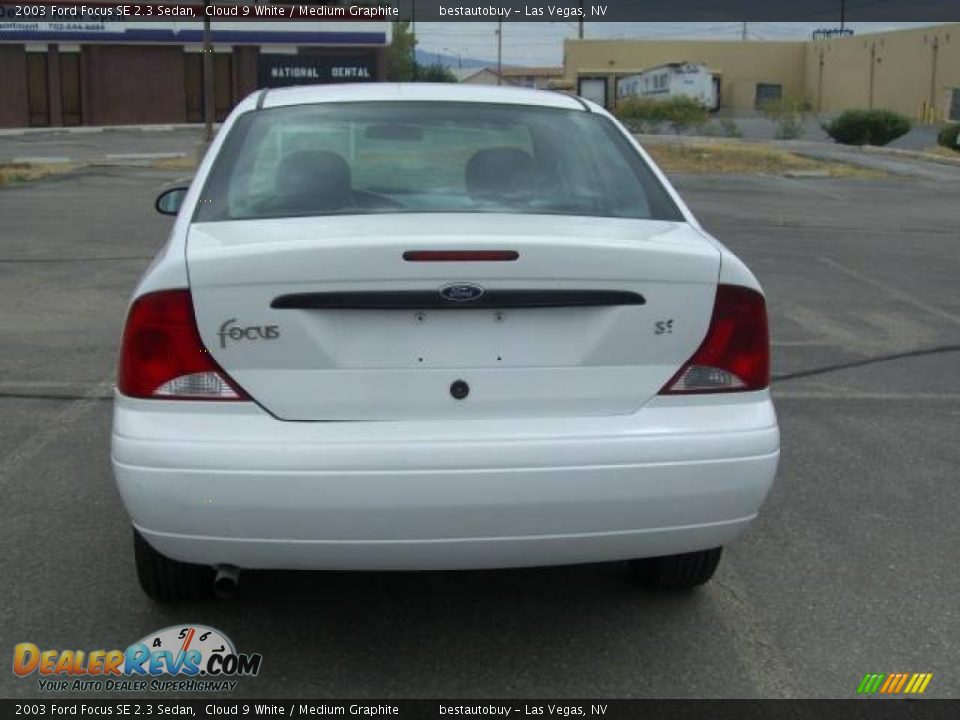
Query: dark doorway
{"x":193,"y":81}
{"x":222,"y":85}
{"x":70,"y":102}
{"x":38,"y":103}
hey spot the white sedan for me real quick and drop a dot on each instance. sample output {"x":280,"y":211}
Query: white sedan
{"x":418,"y":327}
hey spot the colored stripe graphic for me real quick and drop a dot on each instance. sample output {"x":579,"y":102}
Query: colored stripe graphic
{"x":894,"y":683}
{"x":865,"y":683}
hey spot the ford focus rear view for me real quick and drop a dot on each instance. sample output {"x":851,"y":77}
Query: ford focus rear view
{"x":431,"y":327}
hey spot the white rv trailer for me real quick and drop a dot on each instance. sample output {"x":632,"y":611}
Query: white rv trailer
{"x":673,"y":80}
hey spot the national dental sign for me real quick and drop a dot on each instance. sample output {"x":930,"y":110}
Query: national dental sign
{"x":284,"y":70}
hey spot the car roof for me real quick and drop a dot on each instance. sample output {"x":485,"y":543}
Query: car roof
{"x":416,"y":92}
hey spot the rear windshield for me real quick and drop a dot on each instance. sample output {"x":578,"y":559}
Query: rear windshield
{"x":429,"y":157}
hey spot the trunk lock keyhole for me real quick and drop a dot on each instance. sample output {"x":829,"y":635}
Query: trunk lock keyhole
{"x":459,"y":389}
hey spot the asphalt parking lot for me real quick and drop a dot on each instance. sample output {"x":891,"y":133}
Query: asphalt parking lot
{"x":852,"y":567}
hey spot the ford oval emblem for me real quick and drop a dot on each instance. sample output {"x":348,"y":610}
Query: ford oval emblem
{"x":461,"y":292}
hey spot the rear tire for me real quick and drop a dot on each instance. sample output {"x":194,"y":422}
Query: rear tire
{"x":677,"y":572}
{"x":167,"y":580}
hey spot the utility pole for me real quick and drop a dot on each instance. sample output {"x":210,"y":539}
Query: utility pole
{"x":820,"y":82}
{"x":499,"y":52}
{"x":208,"y":104}
{"x":580,"y":23}
{"x":843,"y":15}
{"x":743,"y":32}
{"x":932,"y":116}
{"x":873,"y":68}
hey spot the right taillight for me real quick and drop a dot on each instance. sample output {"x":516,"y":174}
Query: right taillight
{"x":162,"y":356}
{"x":735,"y":354}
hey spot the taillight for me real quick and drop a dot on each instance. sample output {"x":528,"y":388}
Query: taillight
{"x":461,"y":255}
{"x":163,"y":357}
{"x":735,"y":354}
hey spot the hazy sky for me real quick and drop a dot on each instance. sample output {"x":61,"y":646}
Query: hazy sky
{"x":528,"y":43}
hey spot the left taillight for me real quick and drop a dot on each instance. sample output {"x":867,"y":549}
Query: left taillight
{"x":162,"y":356}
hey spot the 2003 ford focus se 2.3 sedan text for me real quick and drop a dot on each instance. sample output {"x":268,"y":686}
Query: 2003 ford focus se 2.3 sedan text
{"x":406,"y":327}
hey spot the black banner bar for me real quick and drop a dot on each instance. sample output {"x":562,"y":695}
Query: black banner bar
{"x":862,"y":709}
{"x":824,"y":11}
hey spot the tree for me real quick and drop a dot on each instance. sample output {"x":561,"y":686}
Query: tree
{"x":401,"y":54}
{"x":435,"y":73}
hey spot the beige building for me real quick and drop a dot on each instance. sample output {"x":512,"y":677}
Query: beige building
{"x":915,"y":72}
{"x":477,"y":76}
{"x":532,"y":77}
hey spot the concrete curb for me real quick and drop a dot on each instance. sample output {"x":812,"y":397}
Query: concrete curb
{"x":874,"y":150}
{"x":799,"y":145}
{"x":116,"y":159}
{"x":90,"y":129}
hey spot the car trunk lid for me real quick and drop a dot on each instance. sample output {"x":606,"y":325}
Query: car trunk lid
{"x":367,"y":317}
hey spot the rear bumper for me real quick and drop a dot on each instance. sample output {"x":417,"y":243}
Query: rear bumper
{"x":227,"y":483}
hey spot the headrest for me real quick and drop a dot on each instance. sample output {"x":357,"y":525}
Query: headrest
{"x":501,"y":173}
{"x":320,"y":175}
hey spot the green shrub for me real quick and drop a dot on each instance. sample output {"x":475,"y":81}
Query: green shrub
{"x":789,"y":115}
{"x":949,"y":137}
{"x":867,"y":127}
{"x":725,"y":128}
{"x":684,"y":112}
{"x":730,"y":129}
{"x":641,"y":115}
{"x":647,"y":114}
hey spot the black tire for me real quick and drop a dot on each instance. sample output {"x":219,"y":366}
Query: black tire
{"x":677,"y":572}
{"x":166,"y":580}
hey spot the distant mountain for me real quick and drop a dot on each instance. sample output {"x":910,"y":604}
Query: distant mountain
{"x":428,"y":57}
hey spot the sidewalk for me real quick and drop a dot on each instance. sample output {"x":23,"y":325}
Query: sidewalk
{"x":895,"y":161}
{"x":100,"y":145}
{"x":92,"y":129}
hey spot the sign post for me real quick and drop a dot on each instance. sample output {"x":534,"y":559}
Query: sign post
{"x":208,"y":99}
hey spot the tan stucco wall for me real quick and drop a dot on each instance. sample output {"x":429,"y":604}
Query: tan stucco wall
{"x":901,"y":82}
{"x":903,"y":76}
{"x":741,"y":64}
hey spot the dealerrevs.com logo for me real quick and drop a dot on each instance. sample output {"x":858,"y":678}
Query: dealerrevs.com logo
{"x":177,"y":658}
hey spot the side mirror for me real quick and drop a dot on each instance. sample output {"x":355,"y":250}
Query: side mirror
{"x":169,"y":201}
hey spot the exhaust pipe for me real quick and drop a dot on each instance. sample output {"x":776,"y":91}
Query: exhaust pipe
{"x":226,"y":582}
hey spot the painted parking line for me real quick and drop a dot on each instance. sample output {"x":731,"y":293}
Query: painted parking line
{"x":799,"y":343}
{"x":902,"y":296}
{"x":830,"y":194}
{"x":841,"y":395}
{"x":53,"y":428}
{"x":41,"y":160}
{"x":104,"y":390}
{"x":145,"y":156}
